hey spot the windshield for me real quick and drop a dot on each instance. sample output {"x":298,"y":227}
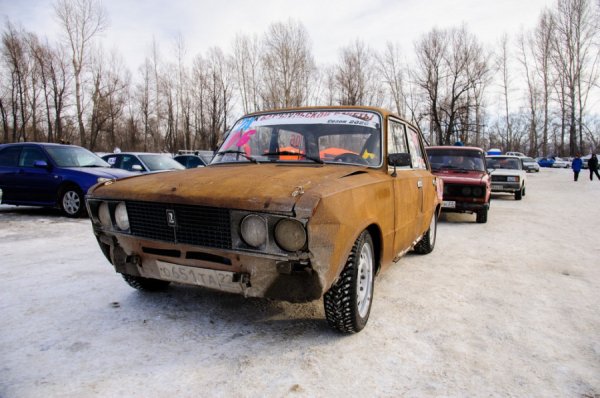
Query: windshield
{"x":343,"y":136}
{"x":504,"y":163}
{"x":458,"y":159}
{"x":156,"y":162}
{"x":72,"y":156}
{"x":528,"y":160}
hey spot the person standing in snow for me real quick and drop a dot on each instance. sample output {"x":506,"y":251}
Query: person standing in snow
{"x":576,"y":166}
{"x":593,"y":165}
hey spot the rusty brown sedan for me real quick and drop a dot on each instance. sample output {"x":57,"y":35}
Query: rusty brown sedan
{"x":297,"y":205}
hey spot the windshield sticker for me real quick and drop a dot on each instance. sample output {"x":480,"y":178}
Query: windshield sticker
{"x":366,"y":119}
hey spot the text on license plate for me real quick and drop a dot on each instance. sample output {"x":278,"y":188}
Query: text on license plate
{"x":449,"y":204}
{"x":497,"y":187}
{"x":215,"y":279}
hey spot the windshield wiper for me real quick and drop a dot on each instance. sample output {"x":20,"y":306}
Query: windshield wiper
{"x":250,"y":158}
{"x":290,"y":153}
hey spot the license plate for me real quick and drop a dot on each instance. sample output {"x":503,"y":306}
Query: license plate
{"x":449,"y":204}
{"x":497,"y":187}
{"x":214,"y":279}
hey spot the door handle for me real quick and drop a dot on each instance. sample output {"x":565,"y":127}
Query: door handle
{"x":420,"y":184}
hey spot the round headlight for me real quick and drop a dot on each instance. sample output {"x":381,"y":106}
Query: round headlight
{"x":104,"y":215}
{"x":254,"y":230}
{"x":290,"y":235}
{"x":121,"y":217}
{"x":477,"y":191}
{"x":466,"y":191}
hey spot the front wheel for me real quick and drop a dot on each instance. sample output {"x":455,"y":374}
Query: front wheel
{"x":427,"y":242}
{"x":348,"y":302}
{"x":482,"y":216}
{"x":71,"y":202}
{"x":519,"y":194}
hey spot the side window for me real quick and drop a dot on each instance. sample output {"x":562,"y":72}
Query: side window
{"x":112,"y":160}
{"x":416,"y":153}
{"x":396,"y":138}
{"x":129,"y":161}
{"x":9,"y":157}
{"x":30,"y":155}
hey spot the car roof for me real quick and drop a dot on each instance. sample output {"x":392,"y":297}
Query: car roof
{"x":136,"y":153}
{"x":503,"y":156}
{"x":460,"y":148}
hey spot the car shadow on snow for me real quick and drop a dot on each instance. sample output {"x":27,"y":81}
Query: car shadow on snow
{"x":209,"y":311}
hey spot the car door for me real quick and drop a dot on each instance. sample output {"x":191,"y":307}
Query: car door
{"x":37,"y":184}
{"x":9,"y":167}
{"x":425,"y":180}
{"x":407,"y":196}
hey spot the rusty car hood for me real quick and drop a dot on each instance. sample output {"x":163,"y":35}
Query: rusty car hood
{"x":254,"y":187}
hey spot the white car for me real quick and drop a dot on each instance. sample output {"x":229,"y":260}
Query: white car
{"x":520,"y":154}
{"x":508,"y":175}
{"x":561,"y":163}
{"x":529,"y":164}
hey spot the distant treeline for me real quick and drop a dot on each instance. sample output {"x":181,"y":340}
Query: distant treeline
{"x":536,"y":92}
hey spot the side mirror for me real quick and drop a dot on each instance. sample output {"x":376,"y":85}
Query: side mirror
{"x":399,"y":159}
{"x":41,"y":164}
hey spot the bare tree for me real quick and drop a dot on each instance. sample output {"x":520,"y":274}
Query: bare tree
{"x":287,"y":65}
{"x":355,"y":76}
{"x":394,"y":74}
{"x":246,"y":57}
{"x":450,"y":65}
{"x":81,"y":20}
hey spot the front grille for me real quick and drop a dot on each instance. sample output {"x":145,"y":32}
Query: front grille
{"x":194,"y":225}
{"x":457,"y":190}
{"x":499,"y":178}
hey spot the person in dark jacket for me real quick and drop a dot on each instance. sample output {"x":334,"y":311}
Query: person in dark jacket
{"x":576,"y":166}
{"x":593,"y":165}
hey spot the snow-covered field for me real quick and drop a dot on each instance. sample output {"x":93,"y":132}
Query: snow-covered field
{"x":507,"y":308}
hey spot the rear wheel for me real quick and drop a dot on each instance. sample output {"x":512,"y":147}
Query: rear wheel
{"x":71,"y":201}
{"x":427,"y":242}
{"x":145,"y":284}
{"x":348,"y":302}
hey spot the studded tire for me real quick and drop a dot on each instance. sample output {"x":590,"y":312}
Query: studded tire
{"x":145,"y":284}
{"x":348,"y":302}
{"x":427,"y":242}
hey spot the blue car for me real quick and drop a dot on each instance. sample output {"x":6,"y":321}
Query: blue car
{"x":545,"y":162}
{"x":51,"y":175}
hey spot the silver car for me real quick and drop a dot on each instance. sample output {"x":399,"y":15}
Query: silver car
{"x":529,"y":164}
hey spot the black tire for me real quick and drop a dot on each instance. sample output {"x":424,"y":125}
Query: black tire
{"x":345,"y":309}
{"x":427,"y":242}
{"x":145,"y":284}
{"x":71,"y":201}
{"x":482,"y":216}
{"x":519,"y":194}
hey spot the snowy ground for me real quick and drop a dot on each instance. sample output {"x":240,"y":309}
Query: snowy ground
{"x":507,"y":308}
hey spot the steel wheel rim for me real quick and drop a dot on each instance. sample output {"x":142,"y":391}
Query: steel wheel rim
{"x":364,"y":283}
{"x":71,"y":202}
{"x":432,"y":230}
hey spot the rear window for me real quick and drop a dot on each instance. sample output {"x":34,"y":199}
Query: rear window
{"x":9,"y":157}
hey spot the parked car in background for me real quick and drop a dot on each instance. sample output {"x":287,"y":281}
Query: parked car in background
{"x":519,"y":154}
{"x":142,"y":162}
{"x":561,"y":163}
{"x":51,"y":175}
{"x":530,"y":164}
{"x":264,"y":221}
{"x":508,"y":175}
{"x":190,"y":161}
{"x":467,"y":185}
{"x":545,"y":162}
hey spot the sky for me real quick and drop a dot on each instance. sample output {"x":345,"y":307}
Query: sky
{"x":331,"y":25}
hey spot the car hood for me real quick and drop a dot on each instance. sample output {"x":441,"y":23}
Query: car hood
{"x":106,"y":172}
{"x":456,"y":176}
{"x":253,"y":187}
{"x":507,"y":172}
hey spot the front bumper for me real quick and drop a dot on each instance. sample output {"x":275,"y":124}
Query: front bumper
{"x":510,"y":187}
{"x":289,"y":278}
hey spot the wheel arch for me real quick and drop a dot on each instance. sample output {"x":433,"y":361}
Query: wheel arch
{"x":375,"y":231}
